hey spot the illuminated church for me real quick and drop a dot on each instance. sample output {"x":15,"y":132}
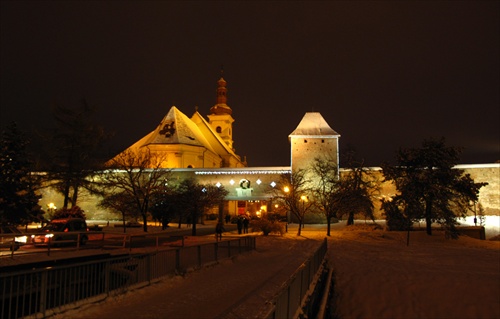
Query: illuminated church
{"x":183,"y":142}
{"x":204,"y":149}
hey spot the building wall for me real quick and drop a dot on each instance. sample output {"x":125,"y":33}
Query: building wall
{"x":260,"y":180}
{"x":305,"y":149}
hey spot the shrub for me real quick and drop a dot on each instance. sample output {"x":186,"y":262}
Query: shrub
{"x":267,"y":226}
{"x":73,"y":212}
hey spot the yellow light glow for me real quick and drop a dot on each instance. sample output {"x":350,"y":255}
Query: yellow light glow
{"x":303,"y":198}
{"x":286,"y":189}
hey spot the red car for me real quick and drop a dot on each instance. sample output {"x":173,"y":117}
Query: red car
{"x":62,"y":230}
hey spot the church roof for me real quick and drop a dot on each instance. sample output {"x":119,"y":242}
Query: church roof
{"x":313,"y":125}
{"x":175,"y":128}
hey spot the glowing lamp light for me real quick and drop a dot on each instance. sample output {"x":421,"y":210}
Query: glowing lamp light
{"x":273,"y":184}
{"x":231,"y":182}
{"x":258,"y":181}
{"x":218,"y":184}
{"x":286,"y":189}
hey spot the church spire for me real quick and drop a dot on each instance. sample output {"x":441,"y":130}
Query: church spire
{"x":221,"y":107}
{"x":220,"y":117}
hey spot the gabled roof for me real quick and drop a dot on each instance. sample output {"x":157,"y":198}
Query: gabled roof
{"x":313,"y":125}
{"x":213,"y":137}
{"x":175,"y":128}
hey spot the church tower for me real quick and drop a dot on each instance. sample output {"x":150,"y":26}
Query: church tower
{"x":220,"y":115}
{"x":313,"y":138}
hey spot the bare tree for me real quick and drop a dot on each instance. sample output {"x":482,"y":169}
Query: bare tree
{"x":195,"y":198}
{"x":137,"y":175}
{"x":121,"y":202}
{"x":325,"y":185}
{"x":355,"y":193}
{"x":293,"y":193}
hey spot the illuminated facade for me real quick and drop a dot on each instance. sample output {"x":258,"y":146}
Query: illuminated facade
{"x":197,"y":148}
{"x":183,"y":142}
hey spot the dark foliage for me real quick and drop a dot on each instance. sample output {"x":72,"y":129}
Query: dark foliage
{"x":18,"y":185}
{"x":429,"y":185}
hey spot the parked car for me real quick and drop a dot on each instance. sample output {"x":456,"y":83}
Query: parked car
{"x":59,"y":230}
{"x":11,"y":237}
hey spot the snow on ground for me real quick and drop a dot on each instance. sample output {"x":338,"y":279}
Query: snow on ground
{"x":376,"y":276}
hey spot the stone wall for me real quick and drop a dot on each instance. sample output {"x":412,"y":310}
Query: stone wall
{"x":489,"y":195}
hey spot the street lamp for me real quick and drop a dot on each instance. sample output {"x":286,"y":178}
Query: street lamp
{"x":287,"y":190}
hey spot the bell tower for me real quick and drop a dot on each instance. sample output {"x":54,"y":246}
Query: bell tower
{"x":220,"y":115}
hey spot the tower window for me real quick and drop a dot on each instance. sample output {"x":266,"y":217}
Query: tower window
{"x":218,"y":129}
{"x":305,"y":141}
{"x":322,"y":141}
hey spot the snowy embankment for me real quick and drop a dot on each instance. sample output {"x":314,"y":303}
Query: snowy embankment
{"x":376,"y":276}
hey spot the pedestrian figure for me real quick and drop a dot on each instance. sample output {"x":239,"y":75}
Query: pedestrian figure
{"x":245,"y":225}
{"x":240,"y":225}
{"x":219,"y":229}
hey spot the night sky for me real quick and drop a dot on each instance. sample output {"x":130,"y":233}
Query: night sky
{"x":382,"y":74}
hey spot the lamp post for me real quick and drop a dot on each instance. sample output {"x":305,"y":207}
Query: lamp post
{"x":303,"y":199}
{"x":287,"y":190}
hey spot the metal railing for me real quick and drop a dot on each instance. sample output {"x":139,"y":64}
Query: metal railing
{"x":43,"y":292}
{"x":97,"y":239}
{"x":288,"y":302}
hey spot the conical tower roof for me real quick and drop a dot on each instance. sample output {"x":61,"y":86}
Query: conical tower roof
{"x":313,"y":125}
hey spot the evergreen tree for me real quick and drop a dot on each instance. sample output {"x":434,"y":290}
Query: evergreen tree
{"x":18,"y":185}
{"x":430,"y":186}
{"x":72,"y":147}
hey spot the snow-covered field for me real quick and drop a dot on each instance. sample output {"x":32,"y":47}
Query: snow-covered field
{"x":376,"y":276}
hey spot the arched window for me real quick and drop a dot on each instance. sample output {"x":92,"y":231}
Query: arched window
{"x":218,"y":129}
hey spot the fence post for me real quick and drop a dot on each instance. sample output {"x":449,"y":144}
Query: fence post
{"x":107,"y":276}
{"x":199,"y":255}
{"x":178,"y":260}
{"x":148,"y":267}
{"x":43,"y":291}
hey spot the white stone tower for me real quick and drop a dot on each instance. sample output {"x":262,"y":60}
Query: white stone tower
{"x":220,"y":118}
{"x":313,"y":138}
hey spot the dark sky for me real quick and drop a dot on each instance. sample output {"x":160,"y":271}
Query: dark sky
{"x":382,"y":74}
